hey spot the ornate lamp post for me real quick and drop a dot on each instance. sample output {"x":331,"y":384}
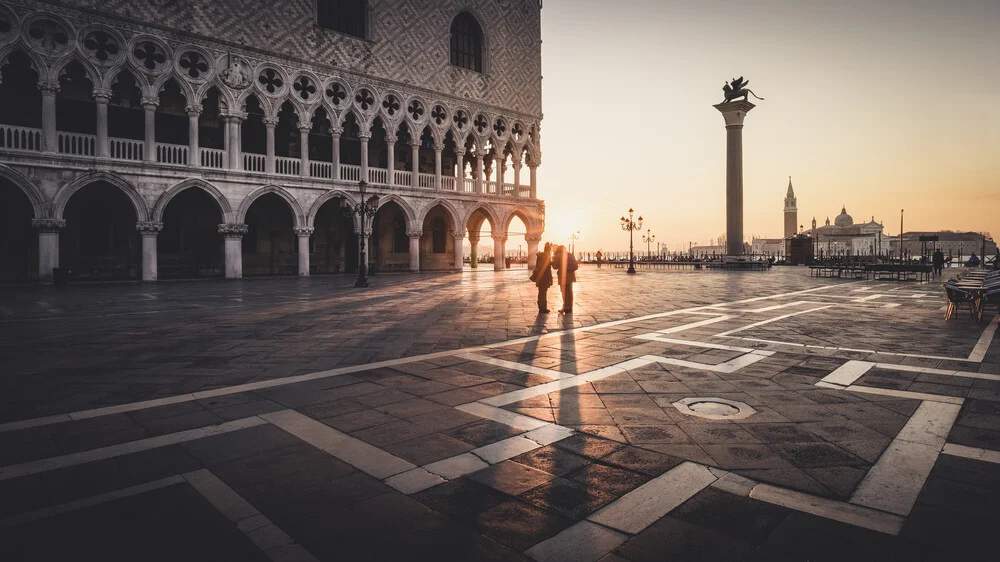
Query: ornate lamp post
{"x":365,"y":210}
{"x":648,"y":239}
{"x":572,"y":242}
{"x":631,"y":226}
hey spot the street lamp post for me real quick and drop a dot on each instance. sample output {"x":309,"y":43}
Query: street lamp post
{"x":572,"y":242}
{"x":364,"y":210}
{"x":648,"y":239}
{"x":631,"y":226}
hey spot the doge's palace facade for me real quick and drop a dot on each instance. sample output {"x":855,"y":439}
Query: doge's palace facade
{"x":195,"y":139}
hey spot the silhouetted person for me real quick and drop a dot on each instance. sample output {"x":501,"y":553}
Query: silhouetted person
{"x":973,"y":260}
{"x":938,"y":262}
{"x":542,"y":276}
{"x":599,"y":256}
{"x":565,"y":265}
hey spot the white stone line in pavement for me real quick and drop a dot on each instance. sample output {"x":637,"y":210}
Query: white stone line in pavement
{"x":415,"y":480}
{"x":355,"y":452}
{"x":659,"y":338}
{"x":979,"y":351}
{"x":830,"y":509}
{"x":72,"y":459}
{"x":641,"y":507}
{"x":548,"y":434}
{"x":848,"y":373}
{"x":957,"y":450}
{"x":775,"y":319}
{"x":777,"y":307}
{"x":456,"y":466}
{"x":582,"y":542}
{"x":91,"y":501}
{"x":505,"y":417}
{"x":693,"y":325}
{"x":270,"y":539}
{"x":892,"y":485}
{"x":905,"y":394}
{"x":834,"y":348}
{"x":142,"y":405}
{"x":942,"y":372}
{"x":514,"y":366}
{"x":505,"y":449}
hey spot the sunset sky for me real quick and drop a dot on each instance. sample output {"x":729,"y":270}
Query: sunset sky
{"x":877,"y":105}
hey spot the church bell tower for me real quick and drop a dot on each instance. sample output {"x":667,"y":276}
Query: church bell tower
{"x":791,"y":211}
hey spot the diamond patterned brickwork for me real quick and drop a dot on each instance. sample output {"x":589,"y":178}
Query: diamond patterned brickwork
{"x":409,"y":39}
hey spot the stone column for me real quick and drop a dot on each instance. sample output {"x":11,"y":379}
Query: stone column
{"x":233,"y":148}
{"x":304,"y":233}
{"x":459,"y":236}
{"x":269,"y":125}
{"x":48,"y":246}
{"x":363,"y":137}
{"x":474,"y":251}
{"x":734,"y":113}
{"x":498,"y":251}
{"x":415,"y":151}
{"x":194,"y":153}
{"x":304,"y":129}
{"x":390,"y":145}
{"x":50,"y":140}
{"x":516,"y":164}
{"x":335,"y":134}
{"x":414,"y":236}
{"x":148,"y":231}
{"x":479,"y":172}
{"x":501,"y":168}
{"x":150,"y":105}
{"x":532,"y":169}
{"x":460,"y":170}
{"x":532,"y":240}
{"x":438,"y":147}
{"x":101,"y":99}
{"x":233,"y":234}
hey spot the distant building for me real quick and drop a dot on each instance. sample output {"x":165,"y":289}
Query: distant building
{"x":844,"y":237}
{"x":768,"y":246}
{"x":957,"y":244}
{"x":791,"y":212}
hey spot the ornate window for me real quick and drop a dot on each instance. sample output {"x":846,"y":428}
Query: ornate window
{"x":467,"y":42}
{"x":439,"y":243}
{"x":345,"y":16}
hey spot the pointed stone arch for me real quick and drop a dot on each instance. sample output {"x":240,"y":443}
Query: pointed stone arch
{"x":66,"y":192}
{"x":35,"y":62}
{"x":408,"y":212}
{"x":531,"y":220}
{"x":59,"y":66}
{"x":185,"y":87}
{"x":225,"y":208}
{"x":38,"y":202}
{"x":453,"y":212}
{"x":488,"y":212}
{"x":293,"y":204}
{"x":326,"y":197}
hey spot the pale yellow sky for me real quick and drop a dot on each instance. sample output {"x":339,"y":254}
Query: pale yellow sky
{"x":877,"y":105}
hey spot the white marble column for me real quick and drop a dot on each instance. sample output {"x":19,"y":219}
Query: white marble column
{"x":460,"y":170}
{"x":149,"y":105}
{"x":304,"y":129}
{"x":479,"y":172}
{"x":498,"y":252}
{"x":414,"y":236}
{"x":335,"y":134}
{"x":234,"y":125}
{"x":390,"y":145}
{"x":438,"y":147}
{"x":459,"y":254}
{"x":532,"y":240}
{"x":304,"y":233}
{"x":363,"y":138}
{"x":101,"y":99}
{"x":149,"y":231}
{"x":474,"y":252}
{"x":534,"y":180}
{"x":269,"y":125}
{"x":233,"y":234}
{"x":516,"y":164}
{"x":415,"y":151}
{"x":194,"y":152}
{"x":50,"y":140}
{"x":501,"y":169}
{"x":48,"y":246}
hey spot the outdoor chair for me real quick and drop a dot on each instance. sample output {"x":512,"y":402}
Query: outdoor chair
{"x":958,"y":298}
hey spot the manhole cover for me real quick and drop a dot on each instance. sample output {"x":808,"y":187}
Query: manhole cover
{"x":714,"y":408}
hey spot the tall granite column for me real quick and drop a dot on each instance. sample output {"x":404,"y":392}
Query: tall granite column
{"x":734,"y":112}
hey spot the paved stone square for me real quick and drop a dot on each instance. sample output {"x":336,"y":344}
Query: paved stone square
{"x":694,"y":415}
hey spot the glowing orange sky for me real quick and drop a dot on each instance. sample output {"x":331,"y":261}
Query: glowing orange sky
{"x":876,"y":105}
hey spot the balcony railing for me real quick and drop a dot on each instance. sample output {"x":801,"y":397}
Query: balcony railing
{"x":171,"y":153}
{"x":29,"y":139}
{"x":20,"y":138}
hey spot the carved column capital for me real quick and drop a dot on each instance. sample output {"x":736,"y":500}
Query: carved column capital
{"x":415,"y":144}
{"x":270,"y":122}
{"x":233,"y":230}
{"x":194,"y":109}
{"x":391,"y":139}
{"x":458,"y":235}
{"x":304,"y":230}
{"x":498,"y":237}
{"x":336,"y":131}
{"x":414,"y":233}
{"x":532,"y":237}
{"x":149,"y":227}
{"x":102,"y":95}
{"x":460,"y":151}
{"x":48,"y":225}
{"x":49,"y":87}
{"x":304,"y":127}
{"x":438,"y":147}
{"x":150,"y":102}
{"x":364,"y":136}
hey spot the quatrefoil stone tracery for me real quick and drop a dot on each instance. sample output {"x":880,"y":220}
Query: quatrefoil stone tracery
{"x":336,"y":93}
{"x":390,"y":104}
{"x":304,"y":87}
{"x":480,"y":124}
{"x":48,"y":36}
{"x":102,"y":46}
{"x":460,"y":119}
{"x":416,"y":110}
{"x":364,"y":99}
{"x":150,"y":55}
{"x":270,"y":81}
{"x":194,"y":64}
{"x":438,"y":114}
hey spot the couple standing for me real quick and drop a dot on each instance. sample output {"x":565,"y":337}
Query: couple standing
{"x":565,"y":265}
